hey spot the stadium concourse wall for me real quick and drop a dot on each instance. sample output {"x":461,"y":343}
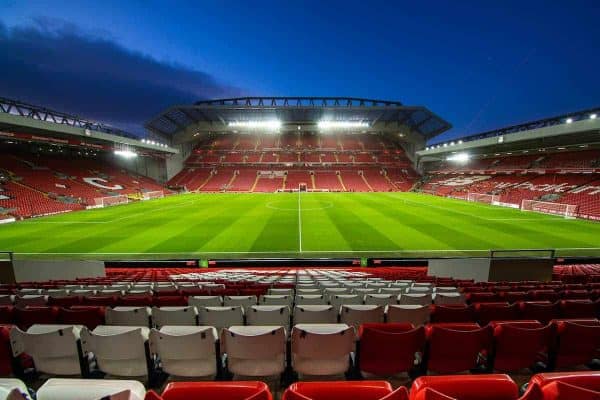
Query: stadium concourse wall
{"x":47,"y":270}
{"x":514,"y":267}
{"x":492,"y":269}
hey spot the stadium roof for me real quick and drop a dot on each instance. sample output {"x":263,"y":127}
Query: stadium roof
{"x":576,"y":130}
{"x":215,"y":115}
{"x":20,"y":120}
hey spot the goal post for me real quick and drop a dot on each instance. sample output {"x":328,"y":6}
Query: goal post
{"x":156,"y":194}
{"x":483,"y":198}
{"x":545,"y":207}
{"x":111,"y":200}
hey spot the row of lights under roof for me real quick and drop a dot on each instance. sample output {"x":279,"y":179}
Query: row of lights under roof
{"x":153,"y":143}
{"x":443,"y":145}
{"x":567,"y":121}
{"x":570,"y":120}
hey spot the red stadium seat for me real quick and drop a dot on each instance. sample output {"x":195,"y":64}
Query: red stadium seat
{"x":487,"y":312}
{"x":102,"y":301}
{"x":359,"y":390}
{"x":453,"y":348}
{"x":587,"y":379}
{"x":89,"y":316}
{"x":578,"y":309}
{"x":543,"y":295}
{"x":542,"y":311}
{"x":577,"y":342}
{"x":388,"y":349}
{"x":452,"y":313}
{"x":464,"y":387}
{"x":238,"y":390}
{"x":170,"y":301}
{"x":5,"y":351}
{"x":482,"y":297}
{"x":134,"y":300}
{"x":68,"y":301}
{"x":25,"y":317}
{"x":513,"y":297}
{"x":518,"y":346}
{"x":7,"y":315}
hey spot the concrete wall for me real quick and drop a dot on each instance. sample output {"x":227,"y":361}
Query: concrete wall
{"x":461,"y":268}
{"x":44,"y":270}
{"x":174,"y":163}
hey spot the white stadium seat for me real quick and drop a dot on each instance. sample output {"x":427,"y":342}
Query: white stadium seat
{"x":188,"y":351}
{"x":119,"y":350}
{"x":54,"y":348}
{"x":221,"y":317}
{"x":128,"y":316}
{"x":256,"y":351}
{"x":269,"y":315}
{"x":244,"y":301}
{"x":308,"y":299}
{"x":322,"y":349}
{"x":89,"y":389}
{"x":380,"y":299}
{"x":421,"y":299}
{"x":448,"y":298}
{"x":315,"y":314}
{"x":174,"y":316}
{"x":414,"y":314}
{"x":356,"y":315}
{"x":205,"y":301}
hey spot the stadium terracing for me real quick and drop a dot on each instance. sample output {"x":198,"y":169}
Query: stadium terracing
{"x":269,"y":144}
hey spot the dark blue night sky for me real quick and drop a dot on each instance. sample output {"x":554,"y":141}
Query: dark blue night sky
{"x":479,"y":64}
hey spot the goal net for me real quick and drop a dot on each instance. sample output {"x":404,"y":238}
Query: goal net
{"x":566,"y":210}
{"x":483,"y":198}
{"x":157,"y":194}
{"x":111,"y":200}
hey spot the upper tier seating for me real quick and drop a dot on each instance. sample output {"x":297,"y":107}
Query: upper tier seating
{"x":304,"y":157}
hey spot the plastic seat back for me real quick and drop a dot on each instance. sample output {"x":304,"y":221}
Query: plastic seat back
{"x":389,"y":349}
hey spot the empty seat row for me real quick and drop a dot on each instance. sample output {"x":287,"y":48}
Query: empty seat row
{"x":316,"y":349}
{"x":543,"y":311}
{"x":545,"y":386}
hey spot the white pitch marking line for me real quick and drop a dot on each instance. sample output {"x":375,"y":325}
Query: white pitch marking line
{"x":310,"y":251}
{"x":299,"y":223}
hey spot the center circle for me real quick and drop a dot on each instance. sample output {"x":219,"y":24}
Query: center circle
{"x":272,"y":205}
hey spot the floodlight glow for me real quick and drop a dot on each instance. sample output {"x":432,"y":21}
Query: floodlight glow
{"x":459,"y":157}
{"x":569,"y":120}
{"x":593,"y":116}
{"x":342,"y":124}
{"x":270,"y":124}
{"x":125,"y":153}
{"x":460,"y":142}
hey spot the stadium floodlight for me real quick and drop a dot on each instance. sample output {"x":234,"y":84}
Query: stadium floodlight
{"x":569,"y":120}
{"x":125,"y":153}
{"x":452,"y":143}
{"x":460,"y":142}
{"x":459,"y":157}
{"x":342,"y":124}
{"x":268,"y":124}
{"x":593,"y":116}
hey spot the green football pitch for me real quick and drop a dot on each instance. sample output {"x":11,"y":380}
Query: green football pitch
{"x":296,"y":225}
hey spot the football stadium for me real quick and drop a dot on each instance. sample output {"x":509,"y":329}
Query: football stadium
{"x":252,"y":247}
